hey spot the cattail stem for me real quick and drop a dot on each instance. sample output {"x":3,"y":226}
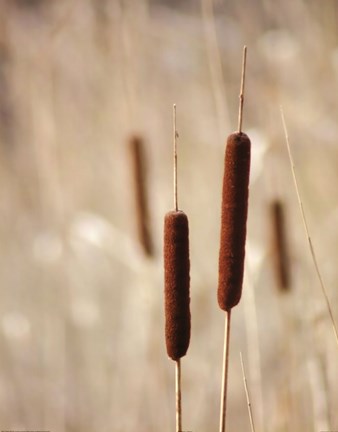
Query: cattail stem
{"x":175,"y":136}
{"x":178,"y":396}
{"x":222,"y":423}
{"x":241,"y":94}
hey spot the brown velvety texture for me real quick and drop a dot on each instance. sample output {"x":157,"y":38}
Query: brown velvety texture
{"x":279,"y":246}
{"x":233,"y":223}
{"x":176,"y":284}
{"x":140,"y":193}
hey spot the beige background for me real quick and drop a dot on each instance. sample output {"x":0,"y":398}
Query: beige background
{"x":81,"y":308}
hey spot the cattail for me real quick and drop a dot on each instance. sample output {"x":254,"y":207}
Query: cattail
{"x":140,"y":192}
{"x":234,"y":216}
{"x":279,"y":245}
{"x":176,"y":284}
{"x":233,"y":232}
{"x":177,"y":280}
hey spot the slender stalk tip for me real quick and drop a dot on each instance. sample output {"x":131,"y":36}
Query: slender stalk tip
{"x":247,"y":394}
{"x":241,"y":95}
{"x":175,"y":136}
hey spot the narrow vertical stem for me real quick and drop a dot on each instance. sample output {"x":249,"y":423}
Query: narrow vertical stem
{"x":178,"y":396}
{"x":175,"y":136}
{"x":307,"y":232}
{"x":225,"y":372}
{"x":247,"y":395}
{"x":254,"y":351}
{"x":215,"y":64}
{"x":241,"y":95}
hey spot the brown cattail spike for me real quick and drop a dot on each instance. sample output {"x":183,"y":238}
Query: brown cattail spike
{"x":279,"y":245}
{"x":177,"y":280}
{"x":234,"y":216}
{"x":140,"y":192}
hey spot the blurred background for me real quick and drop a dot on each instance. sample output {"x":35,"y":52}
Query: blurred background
{"x":81,"y":300}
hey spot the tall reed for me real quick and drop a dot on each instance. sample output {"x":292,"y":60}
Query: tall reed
{"x":307,"y":233}
{"x":176,"y":284}
{"x":233,"y":232}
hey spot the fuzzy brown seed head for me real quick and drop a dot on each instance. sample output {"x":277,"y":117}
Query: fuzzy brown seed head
{"x":279,"y":246}
{"x":140,"y":192}
{"x":233,"y":223}
{"x":176,"y":284}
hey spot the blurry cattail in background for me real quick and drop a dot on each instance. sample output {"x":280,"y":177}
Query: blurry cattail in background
{"x":6,"y":102}
{"x":280,"y":245}
{"x":176,"y":284}
{"x":138,"y":165}
{"x":28,"y":3}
